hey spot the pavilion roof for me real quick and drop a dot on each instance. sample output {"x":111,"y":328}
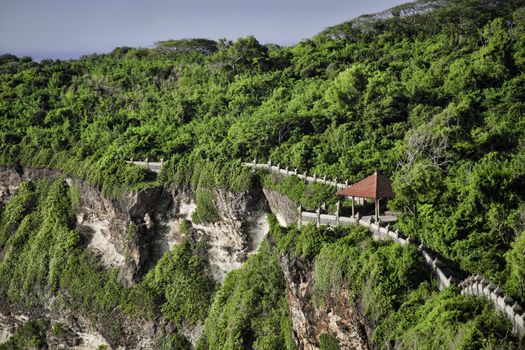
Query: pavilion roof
{"x":375,"y":186}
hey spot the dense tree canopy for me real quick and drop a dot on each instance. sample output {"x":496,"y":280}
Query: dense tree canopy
{"x":431,"y":93}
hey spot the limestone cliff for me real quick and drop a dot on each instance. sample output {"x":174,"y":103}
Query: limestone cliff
{"x":336,"y":317}
{"x":132,"y":233}
{"x":135,"y":230}
{"x":282,"y":207}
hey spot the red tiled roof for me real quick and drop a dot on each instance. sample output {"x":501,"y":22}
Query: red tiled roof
{"x":375,"y":186}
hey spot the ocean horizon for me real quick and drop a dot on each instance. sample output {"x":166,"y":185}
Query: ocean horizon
{"x":54,"y":55}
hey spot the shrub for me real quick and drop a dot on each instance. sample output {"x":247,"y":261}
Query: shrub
{"x":310,"y":195}
{"x":182,"y":283}
{"x":206,"y":211}
{"x":30,"y":335}
{"x":250,"y":310}
{"x":328,"y":342}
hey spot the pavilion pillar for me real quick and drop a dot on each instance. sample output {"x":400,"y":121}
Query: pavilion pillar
{"x":377,"y":210}
{"x":300,"y":220}
{"x":353,"y":209}
{"x":337,"y":212}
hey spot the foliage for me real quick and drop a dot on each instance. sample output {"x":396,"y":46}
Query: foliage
{"x":328,"y":342}
{"x":43,"y":256}
{"x":15,"y":211}
{"x":30,"y":335}
{"x":197,"y":173}
{"x":389,"y":286}
{"x":182,"y":282}
{"x":379,"y":274}
{"x":184,"y":45}
{"x":444,"y":320}
{"x":308,"y":241}
{"x":515,"y":262}
{"x":381,"y":91}
{"x":206,"y":211}
{"x":173,"y":342}
{"x":431,"y":93}
{"x":185,"y":226}
{"x":308,"y":195}
{"x":250,"y":310}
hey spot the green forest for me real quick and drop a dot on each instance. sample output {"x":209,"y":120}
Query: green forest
{"x":432,"y":95}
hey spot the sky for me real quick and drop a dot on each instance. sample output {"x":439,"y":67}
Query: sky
{"x":70,"y":28}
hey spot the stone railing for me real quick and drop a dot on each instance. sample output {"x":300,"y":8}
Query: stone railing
{"x":286,"y":171}
{"x":325,"y":219}
{"x":445,"y":277}
{"x":482,"y":287}
{"x":442,"y":273}
{"x":473,"y":285}
{"x":151,"y":166}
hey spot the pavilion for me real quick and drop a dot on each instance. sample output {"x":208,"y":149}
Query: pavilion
{"x":376,"y":187}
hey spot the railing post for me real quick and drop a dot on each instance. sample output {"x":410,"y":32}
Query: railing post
{"x":287,"y":170}
{"x":337,"y":208}
{"x":269,"y":163}
{"x":161,"y":162}
{"x":254,"y":164}
{"x":147,"y":163}
{"x":318,"y":218}
{"x":300,"y":219}
{"x":305,"y":176}
{"x":132,"y":160}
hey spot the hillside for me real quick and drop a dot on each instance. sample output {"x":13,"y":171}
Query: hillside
{"x":431,"y":93}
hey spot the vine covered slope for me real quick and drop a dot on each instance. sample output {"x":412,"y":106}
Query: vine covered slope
{"x":431,"y":93}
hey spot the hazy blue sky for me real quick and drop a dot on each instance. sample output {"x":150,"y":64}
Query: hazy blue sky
{"x":67,"y":28}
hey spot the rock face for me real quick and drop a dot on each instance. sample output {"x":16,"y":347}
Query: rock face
{"x":282,"y":207}
{"x":77,"y":332}
{"x":134,"y":231}
{"x":241,"y":227}
{"x":336,"y":317}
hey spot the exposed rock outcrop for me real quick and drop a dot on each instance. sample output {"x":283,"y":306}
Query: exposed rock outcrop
{"x":336,"y":317}
{"x":132,"y":233}
{"x":282,"y":207}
